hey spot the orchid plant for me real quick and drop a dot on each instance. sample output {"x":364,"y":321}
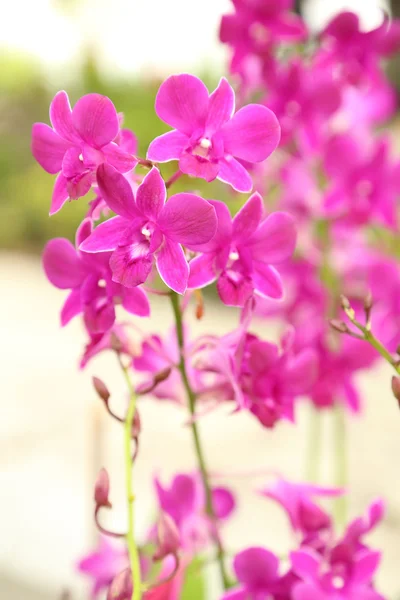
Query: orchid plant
{"x":316,"y":234}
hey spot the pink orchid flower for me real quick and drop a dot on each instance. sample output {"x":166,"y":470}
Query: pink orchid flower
{"x":208,"y":137}
{"x":256,"y":25}
{"x":79,"y":141}
{"x":184,"y":501}
{"x":323,"y":581}
{"x":148,"y":230}
{"x":93,"y":292}
{"x":297,"y":499}
{"x":101,"y":342}
{"x":103,"y":564}
{"x":242,"y":252}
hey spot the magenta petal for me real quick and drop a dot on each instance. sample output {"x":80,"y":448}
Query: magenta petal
{"x":106,"y":236}
{"x":119,"y":158}
{"x":188,"y":219}
{"x":308,"y":591}
{"x":232,"y":172}
{"x":60,"y":194}
{"x":116,"y":191}
{"x":172,"y":266}
{"x":131,"y":265}
{"x":252,"y":134}
{"x":202,"y":270}
{"x":48,"y":148}
{"x":151,"y":194}
{"x":247,"y":219}
{"x":62,"y":265}
{"x":61,"y":117}
{"x":256,"y":568}
{"x":305,"y":563}
{"x":302,"y":371}
{"x":136,"y":302}
{"x":223,"y":502}
{"x":232,"y":291}
{"x":365,"y":566}
{"x":198,"y":167}
{"x":95,"y":119}
{"x":221,"y":107}
{"x":168,"y":146}
{"x":223,"y":235}
{"x":275,"y":239}
{"x":182,"y":102}
{"x":72,"y":307}
{"x":267,"y":281}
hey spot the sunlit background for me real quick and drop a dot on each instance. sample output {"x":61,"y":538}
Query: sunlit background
{"x":54,"y":436}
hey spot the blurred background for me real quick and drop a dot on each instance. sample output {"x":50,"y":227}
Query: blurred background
{"x":53,"y":435}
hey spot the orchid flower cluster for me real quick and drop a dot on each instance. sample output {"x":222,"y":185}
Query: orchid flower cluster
{"x":316,"y":234}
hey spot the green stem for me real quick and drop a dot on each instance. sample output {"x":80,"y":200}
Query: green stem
{"x":313,"y":450}
{"x":341,"y":467}
{"x":379,"y":347}
{"x":191,"y":397}
{"x":134,"y":558}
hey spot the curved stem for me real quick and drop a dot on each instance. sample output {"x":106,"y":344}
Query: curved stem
{"x":191,"y":397}
{"x":173,"y":178}
{"x":102,"y":529}
{"x":130,"y":536}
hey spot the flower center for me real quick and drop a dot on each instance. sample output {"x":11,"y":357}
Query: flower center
{"x":202,"y":148}
{"x":364,"y":188}
{"x":102,"y":283}
{"x":233,"y":255}
{"x":81,"y":157}
{"x":337,"y":582}
{"x":259,"y":33}
{"x":146,"y":231}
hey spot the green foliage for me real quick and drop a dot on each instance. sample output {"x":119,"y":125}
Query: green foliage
{"x":194,"y":587}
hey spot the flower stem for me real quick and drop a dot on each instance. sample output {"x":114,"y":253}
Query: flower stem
{"x":177,"y":175}
{"x":341,"y":467}
{"x":191,"y":397}
{"x":133,"y":551}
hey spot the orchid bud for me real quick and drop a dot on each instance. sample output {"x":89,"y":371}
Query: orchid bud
{"x":396,"y":387}
{"x":121,"y":586}
{"x":101,"y":389}
{"x":102,"y":489}
{"x":115,"y":342}
{"x":136,"y":425}
{"x":345,"y":302}
{"x":168,"y":538}
{"x":339,"y":326}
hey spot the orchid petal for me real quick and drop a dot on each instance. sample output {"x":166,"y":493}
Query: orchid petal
{"x":106,"y":236}
{"x":308,"y":591}
{"x":252,"y":134}
{"x":221,"y":107}
{"x":305,"y":563}
{"x":198,"y":167}
{"x":365,"y":566}
{"x":95,"y":119}
{"x":267,"y":281}
{"x":234,"y":173}
{"x":173,"y":267}
{"x":182,"y":102}
{"x":188,"y":219}
{"x":223,"y":502}
{"x":62,"y":265}
{"x":275,"y":239}
{"x":202,"y":271}
{"x":72,"y":307}
{"x":119,"y":158}
{"x":135,"y":301}
{"x":60,"y":194}
{"x":131,"y":265}
{"x":256,"y":568}
{"x":48,"y":148}
{"x":247,"y":219}
{"x":61,"y":117}
{"x":234,"y":292}
{"x":151,"y":194}
{"x":168,"y":146}
{"x":116,"y":191}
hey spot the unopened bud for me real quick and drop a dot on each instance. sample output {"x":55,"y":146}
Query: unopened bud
{"x":158,"y":378}
{"x":168,"y":538}
{"x":345,"y":302}
{"x":102,"y":489}
{"x":396,"y":387}
{"x":368,"y":302}
{"x":136,"y":425}
{"x":115,"y":342}
{"x":199,"y":304}
{"x":101,"y":389}
{"x":339,"y":326}
{"x":121,"y":586}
